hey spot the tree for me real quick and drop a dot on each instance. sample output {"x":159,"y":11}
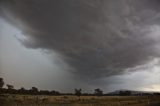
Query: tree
{"x":54,"y":92}
{"x":22,"y":90}
{"x":34,"y":90}
{"x":98,"y":92}
{"x":78,"y":92}
{"x":1,"y":83}
{"x":11,"y":89}
{"x":44,"y":92}
{"x":10,"y":86}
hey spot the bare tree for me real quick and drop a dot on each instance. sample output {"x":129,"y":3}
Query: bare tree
{"x":78,"y":92}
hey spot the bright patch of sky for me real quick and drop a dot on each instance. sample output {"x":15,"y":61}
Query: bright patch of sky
{"x":25,"y":67}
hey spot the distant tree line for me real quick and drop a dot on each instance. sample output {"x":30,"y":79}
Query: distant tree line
{"x":78,"y":92}
{"x":35,"y":91}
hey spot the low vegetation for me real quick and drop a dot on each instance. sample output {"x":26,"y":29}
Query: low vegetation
{"x":42,"y":100}
{"x":34,"y":97}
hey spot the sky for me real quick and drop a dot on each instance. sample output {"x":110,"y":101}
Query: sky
{"x":88,"y":44}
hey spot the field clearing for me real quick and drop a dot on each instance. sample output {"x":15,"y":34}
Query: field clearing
{"x":28,"y":100}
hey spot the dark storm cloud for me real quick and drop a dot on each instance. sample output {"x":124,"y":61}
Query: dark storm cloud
{"x":98,"y":37}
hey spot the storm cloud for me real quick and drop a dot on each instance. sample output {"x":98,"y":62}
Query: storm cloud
{"x":97,"y":38}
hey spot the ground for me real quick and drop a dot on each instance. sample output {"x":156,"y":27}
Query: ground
{"x":34,"y":100}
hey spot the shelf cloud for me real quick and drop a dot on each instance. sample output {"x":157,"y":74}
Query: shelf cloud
{"x":97,"y":38}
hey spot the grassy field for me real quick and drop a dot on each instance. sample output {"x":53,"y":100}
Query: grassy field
{"x":26,"y":100}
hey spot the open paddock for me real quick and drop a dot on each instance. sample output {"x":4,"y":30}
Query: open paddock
{"x":42,"y":100}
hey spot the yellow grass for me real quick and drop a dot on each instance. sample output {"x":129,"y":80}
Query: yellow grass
{"x":27,"y":100}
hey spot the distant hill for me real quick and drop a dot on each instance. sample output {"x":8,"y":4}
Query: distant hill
{"x":132,"y":92}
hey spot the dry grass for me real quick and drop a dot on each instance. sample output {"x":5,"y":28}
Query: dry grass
{"x":26,"y":100}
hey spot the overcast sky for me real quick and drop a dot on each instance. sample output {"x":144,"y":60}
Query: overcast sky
{"x":67,"y":44}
